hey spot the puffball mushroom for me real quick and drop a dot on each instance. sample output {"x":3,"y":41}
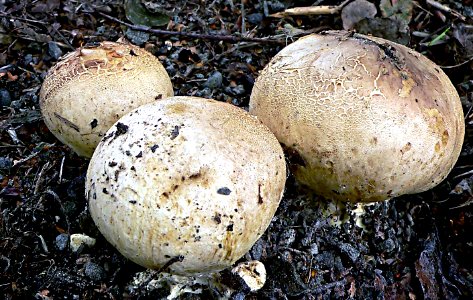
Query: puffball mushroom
{"x":92,"y":87}
{"x":362,"y":118}
{"x":185,"y":182}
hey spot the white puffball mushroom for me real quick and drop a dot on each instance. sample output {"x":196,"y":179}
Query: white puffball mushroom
{"x":362,"y":118}
{"x":185,"y":183}
{"x":253,"y":273}
{"x":85,"y":93}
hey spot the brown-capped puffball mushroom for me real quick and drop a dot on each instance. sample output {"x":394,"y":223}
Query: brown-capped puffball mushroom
{"x":361,"y":118}
{"x":91,"y":88}
{"x":185,"y":183}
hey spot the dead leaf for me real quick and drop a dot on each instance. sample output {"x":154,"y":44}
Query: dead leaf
{"x":393,"y":29}
{"x":138,"y":14}
{"x":357,"y":11}
{"x":400,"y":8}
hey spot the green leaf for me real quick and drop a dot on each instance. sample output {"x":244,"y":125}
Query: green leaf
{"x":139,"y":15}
{"x":439,"y":38}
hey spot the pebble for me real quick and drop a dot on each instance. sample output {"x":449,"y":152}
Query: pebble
{"x":137,"y":37}
{"x":257,"y":249}
{"x":287,"y":237}
{"x":78,"y":241}
{"x":171,"y":70}
{"x":388,"y":245}
{"x":54,"y":51}
{"x":27,"y":60}
{"x":255,"y":18}
{"x":314,"y":249}
{"x":215,"y":80}
{"x":205,"y":93}
{"x":6,"y":163}
{"x":16,"y":104}
{"x":94,"y":271}
{"x":238,"y":90}
{"x":61,"y":241}
{"x":5,"y":98}
{"x":276,"y":5}
{"x":350,"y":251}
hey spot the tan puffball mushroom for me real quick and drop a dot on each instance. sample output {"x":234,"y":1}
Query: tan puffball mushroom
{"x":92,"y":87}
{"x":188,"y":179}
{"x":362,"y":118}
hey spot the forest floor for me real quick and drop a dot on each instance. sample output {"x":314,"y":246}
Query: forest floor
{"x":413,"y":247}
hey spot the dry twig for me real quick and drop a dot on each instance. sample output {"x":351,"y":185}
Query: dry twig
{"x":311,"y":10}
{"x":446,"y":9}
{"x":214,"y":37}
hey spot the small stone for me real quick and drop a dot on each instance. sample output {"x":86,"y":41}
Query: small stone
{"x":314,"y":249}
{"x":204,"y":93}
{"x":171,"y":70}
{"x":6,"y":163}
{"x":94,"y":271}
{"x":78,"y":241}
{"x":101,"y":30}
{"x":5,"y":98}
{"x":255,"y":18}
{"x":276,"y":5}
{"x":326,"y":259}
{"x":238,"y":90}
{"x":137,"y":37}
{"x":27,"y":60}
{"x":16,"y":104}
{"x":61,"y":241}
{"x":288,"y":237}
{"x":253,"y":274}
{"x":388,"y":245}
{"x":54,"y":51}
{"x":350,"y":251}
{"x":215,"y":80}
{"x":257,"y":249}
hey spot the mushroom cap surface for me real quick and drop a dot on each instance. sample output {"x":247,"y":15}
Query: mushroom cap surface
{"x":361,"y":118}
{"x":92,"y":87}
{"x":188,"y":179}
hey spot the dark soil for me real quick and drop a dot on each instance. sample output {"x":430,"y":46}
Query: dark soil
{"x":413,"y":247}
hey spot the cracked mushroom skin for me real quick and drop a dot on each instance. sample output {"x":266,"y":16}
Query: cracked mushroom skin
{"x":92,"y":87}
{"x":361,"y":118}
{"x":185,"y":183}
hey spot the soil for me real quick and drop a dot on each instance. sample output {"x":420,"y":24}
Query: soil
{"x":413,"y":247}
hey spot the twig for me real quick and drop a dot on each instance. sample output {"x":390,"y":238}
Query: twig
{"x":463,"y":174}
{"x":40,"y":178}
{"x":19,"y":162}
{"x":457,"y":65}
{"x":311,"y":10}
{"x":214,"y":37}
{"x":446,"y":9}
{"x":309,"y":275}
{"x":61,"y":168}
{"x":243,"y":23}
{"x":294,"y":250}
{"x":2,"y":14}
